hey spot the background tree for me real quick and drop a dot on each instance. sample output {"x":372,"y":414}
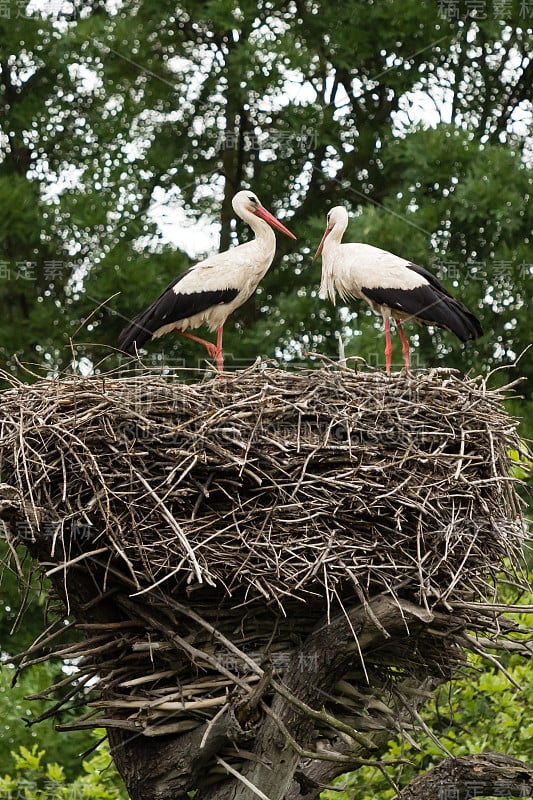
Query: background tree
{"x":34,"y":776}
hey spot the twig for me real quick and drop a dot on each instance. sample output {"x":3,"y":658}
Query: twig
{"x":241,"y":778}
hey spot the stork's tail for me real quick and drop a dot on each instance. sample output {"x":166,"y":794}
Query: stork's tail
{"x":134,"y":335}
{"x":460,"y":320}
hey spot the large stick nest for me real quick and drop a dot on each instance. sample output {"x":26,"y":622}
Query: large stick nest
{"x":194,"y":531}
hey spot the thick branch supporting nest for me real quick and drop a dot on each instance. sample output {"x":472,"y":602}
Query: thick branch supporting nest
{"x":479,"y":775}
{"x":268,"y":562}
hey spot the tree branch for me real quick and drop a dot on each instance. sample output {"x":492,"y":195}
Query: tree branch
{"x":480,"y":775}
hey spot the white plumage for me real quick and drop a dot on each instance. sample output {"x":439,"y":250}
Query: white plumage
{"x":391,"y":285}
{"x":348,"y":269}
{"x":211,"y":290}
{"x":242,"y":266}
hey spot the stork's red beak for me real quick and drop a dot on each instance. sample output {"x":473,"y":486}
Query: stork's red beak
{"x":321,"y":245}
{"x":262,"y":213}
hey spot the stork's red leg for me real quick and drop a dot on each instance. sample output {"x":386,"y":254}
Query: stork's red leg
{"x":219,"y":358}
{"x":405,"y":346}
{"x":210,"y":347}
{"x":214,"y":350}
{"x":388,"y":345}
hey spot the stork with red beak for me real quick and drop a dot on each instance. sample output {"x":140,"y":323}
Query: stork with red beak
{"x":211,"y":290}
{"x":392,"y":286}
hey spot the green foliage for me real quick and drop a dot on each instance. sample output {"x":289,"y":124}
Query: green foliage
{"x":16,"y":714}
{"x":12,"y":597}
{"x":521,"y":463}
{"x":35,"y":777}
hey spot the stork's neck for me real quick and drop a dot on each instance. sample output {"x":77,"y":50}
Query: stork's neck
{"x":259,"y":250}
{"x":332,"y":242}
{"x":334,"y":238}
{"x":263,"y":232}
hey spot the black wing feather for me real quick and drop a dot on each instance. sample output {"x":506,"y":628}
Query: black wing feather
{"x":170,"y":307}
{"x":429,"y":277}
{"x":430,"y":304}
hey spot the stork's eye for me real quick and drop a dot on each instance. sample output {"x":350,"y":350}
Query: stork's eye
{"x":253,"y":200}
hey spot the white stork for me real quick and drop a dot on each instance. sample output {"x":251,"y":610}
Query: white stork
{"x":392,"y":286}
{"x":211,"y":290}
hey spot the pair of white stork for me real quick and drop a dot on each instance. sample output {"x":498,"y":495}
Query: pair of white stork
{"x":211,"y":290}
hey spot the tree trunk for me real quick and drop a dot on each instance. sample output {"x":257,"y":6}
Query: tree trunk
{"x":281,"y":739}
